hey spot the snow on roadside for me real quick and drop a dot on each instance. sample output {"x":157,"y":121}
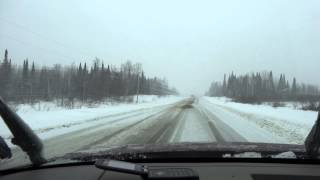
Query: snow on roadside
{"x":285,"y":113}
{"x":285,"y":124}
{"x":50,"y":116}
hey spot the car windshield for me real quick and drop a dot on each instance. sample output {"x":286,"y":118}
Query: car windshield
{"x":88,"y":75}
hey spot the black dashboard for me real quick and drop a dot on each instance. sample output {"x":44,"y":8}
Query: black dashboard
{"x":206,"y":171}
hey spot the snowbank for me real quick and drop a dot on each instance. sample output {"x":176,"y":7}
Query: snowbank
{"x":285,"y":113}
{"x":283,"y":124}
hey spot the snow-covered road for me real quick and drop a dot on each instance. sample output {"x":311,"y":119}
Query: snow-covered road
{"x":186,"y":120}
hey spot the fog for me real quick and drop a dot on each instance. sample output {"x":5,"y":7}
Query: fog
{"x":191,"y":43}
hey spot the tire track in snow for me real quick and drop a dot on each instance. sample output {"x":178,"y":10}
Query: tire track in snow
{"x":193,"y":127}
{"x":156,"y":129}
{"x":222,"y":131}
{"x":126,"y":128}
{"x":176,"y":136}
{"x":165,"y":133}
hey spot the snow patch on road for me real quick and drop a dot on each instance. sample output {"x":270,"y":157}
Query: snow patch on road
{"x":195,"y":129}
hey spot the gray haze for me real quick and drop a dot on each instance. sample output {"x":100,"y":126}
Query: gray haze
{"x":191,"y":43}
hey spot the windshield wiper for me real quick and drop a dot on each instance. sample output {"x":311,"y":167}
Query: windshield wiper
{"x":24,"y":137}
{"x":5,"y":151}
{"x":312,"y":143}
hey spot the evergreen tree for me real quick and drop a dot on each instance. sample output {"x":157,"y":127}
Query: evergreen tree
{"x":294,"y":87}
{"x":32,"y":82}
{"x":260,"y":87}
{"x":5,"y":76}
{"x":224,"y":86}
{"x":76,"y":82}
{"x":271,"y":88}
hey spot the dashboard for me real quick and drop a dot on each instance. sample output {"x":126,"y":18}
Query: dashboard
{"x":206,"y":171}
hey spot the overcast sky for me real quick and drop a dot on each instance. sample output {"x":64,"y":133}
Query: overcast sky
{"x":191,"y":43}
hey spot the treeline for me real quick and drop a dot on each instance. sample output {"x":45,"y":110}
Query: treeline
{"x":26,"y":83}
{"x":257,"y":87}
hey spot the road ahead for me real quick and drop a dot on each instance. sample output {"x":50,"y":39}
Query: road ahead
{"x":184,"y":121}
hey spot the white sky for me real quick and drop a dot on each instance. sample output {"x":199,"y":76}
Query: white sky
{"x":191,"y":43}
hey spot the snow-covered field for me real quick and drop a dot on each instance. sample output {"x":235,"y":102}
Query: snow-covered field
{"x":49,"y":120}
{"x":290,"y":104}
{"x":263,"y":123}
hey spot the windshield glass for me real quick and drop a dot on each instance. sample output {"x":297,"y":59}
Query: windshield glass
{"x":86,"y":75}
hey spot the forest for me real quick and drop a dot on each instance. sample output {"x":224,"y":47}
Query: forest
{"x":28,"y":83}
{"x":262,"y":87}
